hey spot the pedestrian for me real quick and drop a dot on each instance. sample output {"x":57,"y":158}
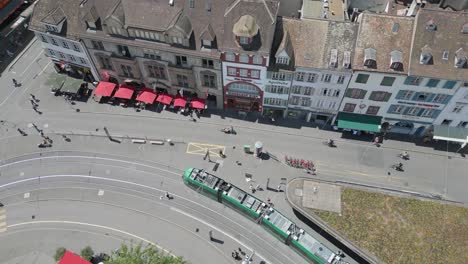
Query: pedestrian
{"x":268,"y":200}
{"x":167,"y":195}
{"x":160,"y":197}
{"x":15,"y":82}
{"x":33,"y":103}
{"x":279,"y":188}
{"x":33,"y":97}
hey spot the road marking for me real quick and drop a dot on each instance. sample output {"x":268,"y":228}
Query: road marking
{"x":100,"y":193}
{"x":217,"y":229}
{"x":201,"y":149}
{"x":91,"y":225}
{"x":3,"y":225}
{"x":27,"y":195}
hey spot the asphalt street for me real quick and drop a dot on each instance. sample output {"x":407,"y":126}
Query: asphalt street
{"x":429,"y":171}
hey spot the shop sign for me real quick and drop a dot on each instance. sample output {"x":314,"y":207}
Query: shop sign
{"x":418,"y":104}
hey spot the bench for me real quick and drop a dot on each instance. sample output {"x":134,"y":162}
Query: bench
{"x":157,"y":142}
{"x":138,"y":141}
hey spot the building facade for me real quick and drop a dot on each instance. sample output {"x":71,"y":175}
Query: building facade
{"x":51,"y":23}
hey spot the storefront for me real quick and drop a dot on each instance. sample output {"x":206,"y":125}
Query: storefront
{"x":359,"y":122}
{"x":74,"y":70}
{"x":243,"y":96}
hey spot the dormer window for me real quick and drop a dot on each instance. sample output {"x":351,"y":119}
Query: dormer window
{"x":206,"y":43}
{"x":430,"y":26}
{"x":460,"y":58}
{"x":425,"y":58}
{"x":370,"y":58}
{"x":282,"y":60}
{"x":245,"y":29}
{"x":208,"y":37}
{"x":465,"y":29}
{"x":396,"y":60}
{"x":334,"y":58}
{"x":51,"y":28}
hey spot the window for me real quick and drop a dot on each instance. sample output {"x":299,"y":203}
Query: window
{"x":432,"y":82}
{"x":51,"y":52}
{"x":255,"y":73}
{"x":151,"y":54}
{"x":355,"y":93}
{"x":341,"y":79}
{"x":209,"y":80}
{"x":296,"y":89}
{"x":449,"y":84}
{"x":258,"y":60}
{"x":177,"y":40}
{"x":123,"y":51}
{"x":65,"y":44}
{"x":336,"y":93}
{"x":404,"y":94}
{"x":207,"y":63}
{"x":440,"y":98}
{"x":411,"y":80}
{"x":372,"y":110}
{"x":97,"y":45}
{"x":82,"y":61}
{"x":181,"y":61}
{"x":462,"y":124}
{"x":379,"y":96}
{"x":192,"y":3}
{"x":282,"y":60}
{"x":244,"y":40}
{"x":44,"y":39}
{"x":54,"y":42}
{"x":244,"y":58}
{"x":396,"y":109}
{"x":412,"y":111}
{"x":275,"y":101}
{"x":300,"y":76}
{"x":182,"y":80}
{"x":326,"y":77}
{"x":76,"y":48}
{"x":294,"y":100}
{"x":278,"y":76}
{"x":349,"y":107}
{"x":206,"y":43}
{"x":458,"y":108}
{"x":307,"y":91}
{"x":156,"y":71}
{"x":362,"y":78}
{"x":325,"y":91}
{"x":232,"y":71}
{"x":105,"y":63}
{"x":243,"y":72}
{"x":312,"y":77}
{"x":428,"y":112}
{"x":72,"y":58}
{"x":115,"y":31}
{"x":306,"y":101}
{"x":61,"y":55}
{"x":230,"y":57}
{"x":422,"y":97}
{"x":446,"y":122}
{"x":127,"y":70}
{"x":51,"y":28}
{"x":277,"y":89}
{"x":387,"y":81}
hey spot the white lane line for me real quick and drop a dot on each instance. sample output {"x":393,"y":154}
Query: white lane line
{"x":88,"y":157}
{"x":8,"y":97}
{"x":32,"y":63}
{"x":217,"y":229}
{"x":90,"y":225}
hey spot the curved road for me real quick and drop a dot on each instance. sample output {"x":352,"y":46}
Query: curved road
{"x":120,"y":199}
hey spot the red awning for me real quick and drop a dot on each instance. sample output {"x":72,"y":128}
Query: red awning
{"x":124,"y":92}
{"x":165,"y":99}
{"x":146,"y":95}
{"x":180,"y":101}
{"x":70,"y":258}
{"x":104,"y":88}
{"x":198,"y":103}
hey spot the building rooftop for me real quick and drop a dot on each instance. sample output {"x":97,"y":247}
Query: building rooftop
{"x":383,"y":42}
{"x":328,"y":9}
{"x":315,"y":43}
{"x":439,"y":35}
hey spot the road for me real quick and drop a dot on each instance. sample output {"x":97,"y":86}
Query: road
{"x":429,"y":171}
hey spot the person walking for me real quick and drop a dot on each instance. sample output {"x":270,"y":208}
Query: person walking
{"x":15,"y":82}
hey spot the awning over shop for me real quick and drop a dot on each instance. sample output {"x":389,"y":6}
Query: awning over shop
{"x":197,"y":103}
{"x":70,"y":258}
{"x":146,"y":95}
{"x":104,"y":89}
{"x":165,"y":99}
{"x":180,"y":101}
{"x":71,"y":85}
{"x":453,"y":134}
{"x":124,"y":92}
{"x":359,"y":122}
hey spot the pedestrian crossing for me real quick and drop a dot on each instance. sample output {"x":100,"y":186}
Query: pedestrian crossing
{"x":3,"y":225}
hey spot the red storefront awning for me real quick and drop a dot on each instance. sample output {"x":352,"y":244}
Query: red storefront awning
{"x":104,"y":88}
{"x":165,"y":99}
{"x":70,"y":258}
{"x":124,"y":92}
{"x":198,"y":103}
{"x":146,"y":95}
{"x":180,"y":101}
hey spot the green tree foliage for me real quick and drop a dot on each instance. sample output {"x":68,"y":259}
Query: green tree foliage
{"x":87,"y":253}
{"x":142,"y":255}
{"x":59,"y":252}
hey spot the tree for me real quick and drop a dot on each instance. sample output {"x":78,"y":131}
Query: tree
{"x":142,"y":255}
{"x":87,"y":253}
{"x":59,"y":252}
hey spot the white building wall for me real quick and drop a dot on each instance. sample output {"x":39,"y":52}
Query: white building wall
{"x":457,"y":110}
{"x":261,"y":82}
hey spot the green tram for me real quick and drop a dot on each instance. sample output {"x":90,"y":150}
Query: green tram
{"x":259,"y":211}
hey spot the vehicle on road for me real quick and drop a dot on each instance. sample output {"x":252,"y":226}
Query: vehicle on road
{"x":262,"y":213}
